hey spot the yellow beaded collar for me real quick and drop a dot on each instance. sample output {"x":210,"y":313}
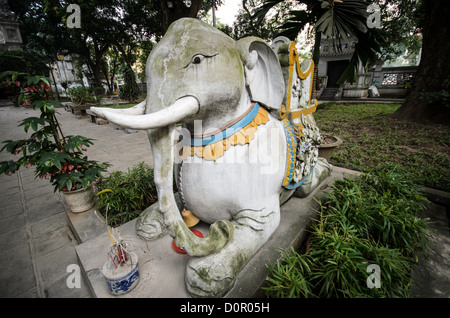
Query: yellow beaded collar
{"x":216,"y":150}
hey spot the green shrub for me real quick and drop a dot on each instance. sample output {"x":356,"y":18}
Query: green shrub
{"x":367,"y":220}
{"x":132,"y":192}
{"x":81,"y":95}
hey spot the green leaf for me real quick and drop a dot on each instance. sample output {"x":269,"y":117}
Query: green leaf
{"x":45,"y":80}
{"x":57,"y":163}
{"x":20,"y":98}
{"x":36,"y":79}
{"x":50,"y":108}
{"x":34,"y":125}
{"x":85,"y":183}
{"x":33,"y":122}
{"x":26,"y":126}
{"x":38,"y":104}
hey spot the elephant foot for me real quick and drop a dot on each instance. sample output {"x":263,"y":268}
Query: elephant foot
{"x":150,"y":225}
{"x":321,"y":171}
{"x":204,"y":279}
{"x":214,"y":275}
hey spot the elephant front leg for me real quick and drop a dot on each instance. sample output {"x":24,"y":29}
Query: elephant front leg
{"x":214,"y":275}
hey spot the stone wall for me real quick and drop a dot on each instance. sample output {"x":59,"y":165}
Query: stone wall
{"x":393,"y":81}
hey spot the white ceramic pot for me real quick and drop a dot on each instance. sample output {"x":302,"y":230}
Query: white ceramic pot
{"x":122,"y":279}
{"x":79,"y":200}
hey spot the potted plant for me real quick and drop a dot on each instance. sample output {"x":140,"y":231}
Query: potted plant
{"x":55,"y":157}
{"x":329,"y":144}
{"x":82,"y":99}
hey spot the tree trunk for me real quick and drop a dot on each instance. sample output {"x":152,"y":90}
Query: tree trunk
{"x":98,"y":74}
{"x":433,"y":73}
{"x":106,"y":75}
{"x":316,"y":58}
{"x":97,"y":64}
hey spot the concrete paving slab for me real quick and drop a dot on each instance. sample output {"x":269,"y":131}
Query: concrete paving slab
{"x":431,"y":276}
{"x":37,"y":191}
{"x":12,"y":223}
{"x":37,"y":213}
{"x":58,"y":289}
{"x":8,"y":191}
{"x":8,"y":184}
{"x":30,"y":178}
{"x":54,"y":240}
{"x":33,"y":184}
{"x":17,"y":280}
{"x":12,"y":198}
{"x":15,"y":257}
{"x":11,"y":209}
{"x":12,"y":238}
{"x":42,"y":200}
{"x":53,"y":266}
{"x":48,"y":224}
{"x":5,"y":178}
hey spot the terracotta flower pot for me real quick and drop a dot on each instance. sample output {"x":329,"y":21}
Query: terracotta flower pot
{"x":328,"y":146}
{"x":79,"y":200}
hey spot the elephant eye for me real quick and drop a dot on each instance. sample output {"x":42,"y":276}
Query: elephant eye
{"x":197,"y":59}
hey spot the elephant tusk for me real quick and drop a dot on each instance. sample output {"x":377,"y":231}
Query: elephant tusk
{"x":138,"y":109}
{"x":182,"y":108}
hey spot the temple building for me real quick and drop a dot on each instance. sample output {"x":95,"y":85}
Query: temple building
{"x":392,"y":80}
{"x":10,"y":38}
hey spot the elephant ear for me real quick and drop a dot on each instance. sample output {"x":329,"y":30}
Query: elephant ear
{"x":264,"y":78}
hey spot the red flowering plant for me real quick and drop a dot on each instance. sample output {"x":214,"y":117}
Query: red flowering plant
{"x":58,"y":158}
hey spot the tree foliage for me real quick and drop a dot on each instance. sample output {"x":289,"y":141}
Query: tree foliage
{"x":268,"y":29}
{"x":179,"y":9}
{"x":25,"y":61}
{"x":339,"y":21}
{"x":113,"y":33}
{"x":402,"y":22}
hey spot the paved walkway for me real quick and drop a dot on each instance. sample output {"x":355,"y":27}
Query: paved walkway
{"x":36,"y":243}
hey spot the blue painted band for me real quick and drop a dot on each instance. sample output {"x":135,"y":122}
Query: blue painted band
{"x":247,"y":119}
{"x":296,"y":185}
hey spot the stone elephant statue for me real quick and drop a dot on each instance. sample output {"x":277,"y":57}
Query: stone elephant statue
{"x":246,"y":143}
